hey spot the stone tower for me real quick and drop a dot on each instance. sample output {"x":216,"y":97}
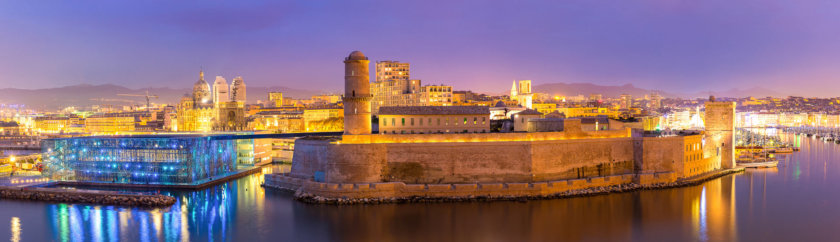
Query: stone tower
{"x":357,"y":119}
{"x":513,"y":91}
{"x":720,"y":132}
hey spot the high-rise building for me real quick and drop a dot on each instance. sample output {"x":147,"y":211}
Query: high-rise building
{"x":357,"y":115}
{"x":626,"y":101}
{"x":595,"y":97}
{"x":393,"y":87}
{"x":220,"y":91}
{"x":391,"y":70}
{"x":275,"y":98}
{"x":655,"y":101}
{"x":237,"y":90}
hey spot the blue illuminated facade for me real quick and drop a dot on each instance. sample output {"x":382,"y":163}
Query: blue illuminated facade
{"x":146,"y":159}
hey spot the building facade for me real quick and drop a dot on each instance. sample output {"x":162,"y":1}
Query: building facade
{"x":434,"y":119}
{"x":110,"y":123}
{"x":392,"y":71}
{"x":275,"y":98}
{"x":393,"y":87}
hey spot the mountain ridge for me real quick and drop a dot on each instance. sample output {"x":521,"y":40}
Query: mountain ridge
{"x":83,"y":95}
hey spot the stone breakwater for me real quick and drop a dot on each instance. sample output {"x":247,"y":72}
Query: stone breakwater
{"x":397,"y":192}
{"x":86,"y":196}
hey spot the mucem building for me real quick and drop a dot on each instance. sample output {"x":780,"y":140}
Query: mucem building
{"x":146,"y":159}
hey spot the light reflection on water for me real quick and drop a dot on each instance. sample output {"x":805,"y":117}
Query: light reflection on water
{"x":795,"y":201}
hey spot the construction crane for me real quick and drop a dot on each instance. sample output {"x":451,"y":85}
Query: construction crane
{"x":147,"y":96}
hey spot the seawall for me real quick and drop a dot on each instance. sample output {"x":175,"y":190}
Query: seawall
{"x":85,"y":196}
{"x":378,"y":192}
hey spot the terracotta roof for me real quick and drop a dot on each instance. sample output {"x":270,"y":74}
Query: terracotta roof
{"x":433,"y":110}
{"x":592,"y":120}
{"x":529,"y":112}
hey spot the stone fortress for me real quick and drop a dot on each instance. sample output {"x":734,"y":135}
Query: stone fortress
{"x":361,"y":166}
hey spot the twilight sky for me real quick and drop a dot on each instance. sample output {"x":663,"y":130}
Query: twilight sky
{"x":671,"y":45}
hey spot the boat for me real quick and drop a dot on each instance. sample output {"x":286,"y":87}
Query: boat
{"x":783,"y":150}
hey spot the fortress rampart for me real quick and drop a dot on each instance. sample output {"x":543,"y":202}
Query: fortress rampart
{"x":361,"y":165}
{"x":495,"y":165}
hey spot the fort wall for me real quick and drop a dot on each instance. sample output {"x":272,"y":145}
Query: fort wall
{"x":383,"y":191}
{"x":465,"y":158}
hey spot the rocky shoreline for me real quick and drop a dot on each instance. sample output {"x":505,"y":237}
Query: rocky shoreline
{"x":86,"y":197}
{"x":315,"y":199}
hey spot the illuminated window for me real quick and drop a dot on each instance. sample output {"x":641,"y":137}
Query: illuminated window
{"x":475,"y":120}
{"x":465,"y":120}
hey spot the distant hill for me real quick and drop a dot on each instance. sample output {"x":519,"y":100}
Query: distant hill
{"x":572,"y":89}
{"x":84,"y":95}
{"x":739,"y":93}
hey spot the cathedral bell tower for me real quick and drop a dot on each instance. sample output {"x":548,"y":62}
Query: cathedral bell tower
{"x":357,"y":117}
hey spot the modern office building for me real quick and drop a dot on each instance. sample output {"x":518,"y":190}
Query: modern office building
{"x":147,"y":159}
{"x":626,"y":101}
{"x":237,"y":90}
{"x":220,"y":90}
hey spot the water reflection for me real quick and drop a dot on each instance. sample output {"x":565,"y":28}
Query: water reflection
{"x":795,"y":201}
{"x":15,"y":229}
{"x":210,"y":213}
{"x":709,"y":210}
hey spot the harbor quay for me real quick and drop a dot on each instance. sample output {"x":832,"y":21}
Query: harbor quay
{"x":573,"y":156}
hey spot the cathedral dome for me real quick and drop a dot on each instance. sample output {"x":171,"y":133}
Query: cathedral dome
{"x":201,"y":90}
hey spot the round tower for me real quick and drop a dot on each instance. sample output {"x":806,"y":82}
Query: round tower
{"x":357,"y":119}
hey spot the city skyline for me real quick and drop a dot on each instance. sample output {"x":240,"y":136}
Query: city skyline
{"x":675,"y":47}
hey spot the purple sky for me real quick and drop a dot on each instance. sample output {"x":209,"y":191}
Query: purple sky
{"x":671,"y":45}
